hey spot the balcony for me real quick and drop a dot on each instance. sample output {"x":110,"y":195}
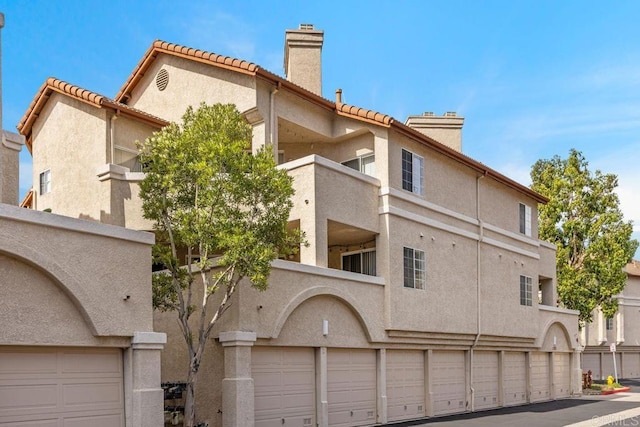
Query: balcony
{"x":337,"y":209}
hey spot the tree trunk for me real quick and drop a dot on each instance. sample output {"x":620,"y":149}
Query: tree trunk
{"x":190,"y":403}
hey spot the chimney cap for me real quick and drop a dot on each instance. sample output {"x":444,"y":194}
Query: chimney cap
{"x":338,"y":96}
{"x":305,"y":27}
{"x":428,"y":114}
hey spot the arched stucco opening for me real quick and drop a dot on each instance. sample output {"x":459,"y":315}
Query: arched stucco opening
{"x":37,"y":310}
{"x":45,"y":264}
{"x":556,"y":338}
{"x":302,"y":319}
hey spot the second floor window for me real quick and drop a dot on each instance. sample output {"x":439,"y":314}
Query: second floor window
{"x":45,"y":182}
{"x":525,"y":291}
{"x":412,"y":172}
{"x":365,"y":164}
{"x":524,"y":212}
{"x":609,"y":324}
{"x":415,"y":269}
{"x":363,"y":262}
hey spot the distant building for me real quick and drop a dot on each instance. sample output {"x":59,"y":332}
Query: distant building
{"x":622,"y":330}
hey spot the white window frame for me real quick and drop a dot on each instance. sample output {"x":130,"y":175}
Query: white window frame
{"x":608,"y":323}
{"x":363,"y":167}
{"x":415,"y":185}
{"x":418,"y":269}
{"x":45,"y":181}
{"x":526,"y":291}
{"x":361,"y":251}
{"x":524,"y":219}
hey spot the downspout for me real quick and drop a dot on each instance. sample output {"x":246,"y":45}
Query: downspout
{"x":478,"y":282}
{"x":273,"y":133}
{"x":112,"y":138}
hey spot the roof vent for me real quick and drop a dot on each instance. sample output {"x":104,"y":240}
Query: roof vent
{"x":306,"y":27}
{"x":162,"y":79}
{"x":428,"y":114}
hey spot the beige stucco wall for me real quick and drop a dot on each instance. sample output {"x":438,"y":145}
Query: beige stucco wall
{"x":69,"y":138}
{"x":10,"y":146}
{"x":625,"y":332}
{"x":93,"y":277}
{"x":191,"y":83}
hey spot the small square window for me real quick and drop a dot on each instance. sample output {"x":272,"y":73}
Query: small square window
{"x":45,"y":182}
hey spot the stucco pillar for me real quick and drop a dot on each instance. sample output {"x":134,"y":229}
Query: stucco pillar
{"x":527,"y":364}
{"x":10,"y":167}
{"x":315,"y":228}
{"x":576,"y":370}
{"x":381,"y":365}
{"x":428,"y":357}
{"x":322,"y":399}
{"x":237,"y":385}
{"x":501,"y":378}
{"x":147,"y":397}
{"x":552,"y":375}
{"x":620,"y":325}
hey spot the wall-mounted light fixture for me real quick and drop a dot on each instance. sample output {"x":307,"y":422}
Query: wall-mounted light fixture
{"x":325,"y":327}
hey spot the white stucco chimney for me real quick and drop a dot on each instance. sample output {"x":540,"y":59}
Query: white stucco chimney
{"x":446,"y":129}
{"x":303,"y":57}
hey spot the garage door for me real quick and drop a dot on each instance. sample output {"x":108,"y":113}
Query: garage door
{"x":351,"y":387}
{"x":405,"y":385}
{"x":485,"y":379}
{"x":607,"y":364}
{"x":540,"y":377}
{"x":449,"y":382}
{"x":515,"y":378}
{"x":631,"y":365}
{"x":61,"y":387}
{"x":284,"y":384}
{"x":561,"y":375}
{"x":591,"y":362}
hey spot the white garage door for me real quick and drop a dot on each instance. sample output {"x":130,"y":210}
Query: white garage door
{"x":448,"y":384}
{"x":284,"y":384}
{"x":631,"y":365}
{"x":485,"y":379}
{"x":351,"y":387}
{"x":405,"y":385}
{"x":540,"y":377}
{"x":591,"y":362}
{"x":51,"y":387}
{"x":561,"y":374}
{"x":515,"y":378}
{"x":607,"y":364}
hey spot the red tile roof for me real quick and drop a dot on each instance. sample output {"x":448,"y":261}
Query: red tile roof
{"x":633,"y":268}
{"x":52,"y":85}
{"x":245,"y":67}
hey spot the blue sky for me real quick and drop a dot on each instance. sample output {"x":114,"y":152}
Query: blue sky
{"x":532,"y":78}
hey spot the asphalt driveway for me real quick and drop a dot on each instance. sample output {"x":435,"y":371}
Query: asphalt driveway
{"x":622,"y":409}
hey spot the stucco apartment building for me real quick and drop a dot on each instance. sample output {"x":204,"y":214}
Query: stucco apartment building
{"x":623,"y":330}
{"x":77,"y":346}
{"x":424,"y":289}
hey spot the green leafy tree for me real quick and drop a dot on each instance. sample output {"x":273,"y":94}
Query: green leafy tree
{"x":223,"y":208}
{"x":584,"y":220}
